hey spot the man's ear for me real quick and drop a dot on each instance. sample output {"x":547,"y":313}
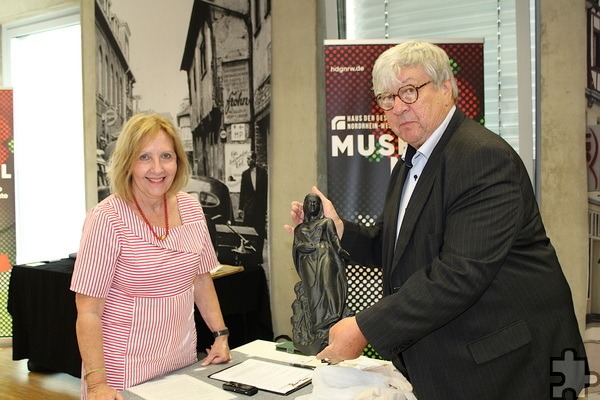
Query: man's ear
{"x":447,"y":87}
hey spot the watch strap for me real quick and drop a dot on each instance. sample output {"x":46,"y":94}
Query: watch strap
{"x":222,"y":332}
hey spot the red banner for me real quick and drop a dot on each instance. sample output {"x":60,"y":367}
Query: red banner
{"x":7,"y":182}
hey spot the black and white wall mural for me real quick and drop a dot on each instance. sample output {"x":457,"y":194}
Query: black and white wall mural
{"x":206,"y":65}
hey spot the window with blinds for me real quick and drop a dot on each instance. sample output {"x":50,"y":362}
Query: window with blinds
{"x":506,"y":28}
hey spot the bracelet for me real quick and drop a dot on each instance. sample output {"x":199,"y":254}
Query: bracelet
{"x":92,"y":371}
{"x":222,"y":332}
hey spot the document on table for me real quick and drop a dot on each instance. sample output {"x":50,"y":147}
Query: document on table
{"x":268,"y":376}
{"x":177,"y":387}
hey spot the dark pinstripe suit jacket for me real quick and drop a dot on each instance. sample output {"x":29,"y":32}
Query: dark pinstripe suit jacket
{"x":475,"y":302}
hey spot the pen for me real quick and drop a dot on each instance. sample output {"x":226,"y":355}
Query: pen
{"x":300,"y":365}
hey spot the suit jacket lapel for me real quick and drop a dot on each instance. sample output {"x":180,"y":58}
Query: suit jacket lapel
{"x":422,"y":191}
{"x":394,"y":193}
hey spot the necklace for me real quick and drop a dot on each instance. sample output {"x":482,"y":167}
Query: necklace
{"x":163,"y":237}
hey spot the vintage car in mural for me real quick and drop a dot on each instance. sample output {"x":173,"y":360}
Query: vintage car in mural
{"x":235,"y":244}
{"x":214,"y":197}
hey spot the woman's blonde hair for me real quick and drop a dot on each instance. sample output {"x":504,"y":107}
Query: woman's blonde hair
{"x":137,"y":132}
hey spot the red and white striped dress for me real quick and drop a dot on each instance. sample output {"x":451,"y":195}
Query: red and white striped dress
{"x":148,"y":320}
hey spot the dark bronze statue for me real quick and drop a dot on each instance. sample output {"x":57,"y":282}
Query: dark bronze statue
{"x":321,"y":293}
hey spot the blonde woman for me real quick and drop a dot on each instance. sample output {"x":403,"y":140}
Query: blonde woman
{"x":143,"y":261}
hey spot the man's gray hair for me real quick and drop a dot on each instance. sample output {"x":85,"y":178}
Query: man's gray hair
{"x":432,"y":58}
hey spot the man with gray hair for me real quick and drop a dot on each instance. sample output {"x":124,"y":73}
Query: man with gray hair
{"x":475,"y":305}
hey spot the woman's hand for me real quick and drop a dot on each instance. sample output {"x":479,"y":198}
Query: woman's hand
{"x":102,"y":391}
{"x":218,"y":352}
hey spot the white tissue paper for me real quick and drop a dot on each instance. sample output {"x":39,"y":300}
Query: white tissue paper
{"x":382,"y":382}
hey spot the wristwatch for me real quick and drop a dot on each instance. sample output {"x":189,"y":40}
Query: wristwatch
{"x":223,"y":332}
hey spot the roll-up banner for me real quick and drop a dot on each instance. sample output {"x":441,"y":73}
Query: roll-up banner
{"x":7,"y":182}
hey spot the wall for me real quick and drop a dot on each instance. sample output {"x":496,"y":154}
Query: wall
{"x":297,"y":114}
{"x":11,"y":10}
{"x":88,"y":53}
{"x":563,"y":178}
{"x":297,"y":161}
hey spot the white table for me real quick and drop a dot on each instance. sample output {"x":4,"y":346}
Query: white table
{"x":260,"y":349}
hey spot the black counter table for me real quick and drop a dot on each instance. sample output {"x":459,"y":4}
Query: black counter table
{"x":43,"y":317}
{"x":44,"y":313}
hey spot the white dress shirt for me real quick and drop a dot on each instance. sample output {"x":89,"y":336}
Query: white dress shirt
{"x":418,"y":164}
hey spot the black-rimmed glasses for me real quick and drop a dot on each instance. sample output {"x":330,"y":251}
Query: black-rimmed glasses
{"x":408,"y":94}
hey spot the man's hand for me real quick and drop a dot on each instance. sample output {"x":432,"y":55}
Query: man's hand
{"x":346,"y":342}
{"x":329,"y":211}
{"x":297,"y":215}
